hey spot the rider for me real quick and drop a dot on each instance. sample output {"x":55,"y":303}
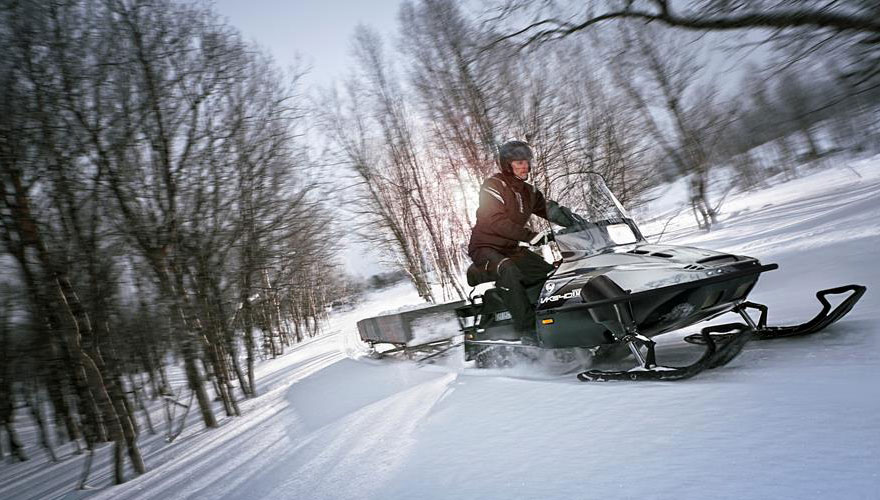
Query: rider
{"x":506,"y":203}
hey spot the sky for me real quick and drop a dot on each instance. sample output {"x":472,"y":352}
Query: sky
{"x":317,"y":31}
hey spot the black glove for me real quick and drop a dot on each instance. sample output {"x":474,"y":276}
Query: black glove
{"x":563,"y":215}
{"x":541,"y":238}
{"x":580,"y":221}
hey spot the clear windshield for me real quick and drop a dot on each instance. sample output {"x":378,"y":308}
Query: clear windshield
{"x":601,"y":221}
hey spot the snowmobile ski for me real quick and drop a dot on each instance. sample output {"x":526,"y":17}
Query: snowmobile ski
{"x":736,"y":335}
{"x":826,"y":316}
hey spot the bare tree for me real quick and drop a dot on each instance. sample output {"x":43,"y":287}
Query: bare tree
{"x":854,"y":16}
{"x":383,"y":163}
{"x":797,"y":104}
{"x":139,"y":142}
{"x":38,"y":159}
{"x":8,"y":351}
{"x":457,"y":83}
{"x":693,"y":122}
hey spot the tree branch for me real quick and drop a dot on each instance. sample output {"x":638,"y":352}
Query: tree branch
{"x":789,"y":19}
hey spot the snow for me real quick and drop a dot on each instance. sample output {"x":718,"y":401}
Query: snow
{"x":788,"y":418}
{"x":434,"y":327}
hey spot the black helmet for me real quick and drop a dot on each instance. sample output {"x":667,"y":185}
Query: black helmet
{"x":513,"y":150}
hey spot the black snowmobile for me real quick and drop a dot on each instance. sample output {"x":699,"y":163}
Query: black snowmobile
{"x":612,"y":292}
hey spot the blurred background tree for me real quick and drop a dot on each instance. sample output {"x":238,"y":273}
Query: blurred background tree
{"x":155,"y":206}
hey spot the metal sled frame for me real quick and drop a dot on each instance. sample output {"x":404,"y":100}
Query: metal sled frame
{"x":421,"y":352}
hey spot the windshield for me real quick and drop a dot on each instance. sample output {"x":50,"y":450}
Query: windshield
{"x":601,"y":221}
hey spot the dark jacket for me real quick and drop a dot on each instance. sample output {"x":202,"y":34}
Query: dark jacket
{"x":506,"y":203}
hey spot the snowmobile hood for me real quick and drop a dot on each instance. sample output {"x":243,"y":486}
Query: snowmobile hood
{"x":647,"y":254}
{"x":644,"y":266}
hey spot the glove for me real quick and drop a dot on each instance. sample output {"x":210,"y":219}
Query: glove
{"x":541,"y":238}
{"x":580,"y":221}
{"x":574,"y":218}
{"x":563,"y":215}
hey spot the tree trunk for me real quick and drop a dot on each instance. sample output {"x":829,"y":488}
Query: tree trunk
{"x":15,"y":446}
{"x":33,"y":403}
{"x":194,"y":380}
{"x":56,"y":386}
{"x":136,"y":390}
{"x":249,"y":345}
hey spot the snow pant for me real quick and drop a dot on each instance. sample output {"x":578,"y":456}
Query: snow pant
{"x":516,"y":270}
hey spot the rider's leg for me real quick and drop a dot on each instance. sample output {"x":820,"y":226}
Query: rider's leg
{"x":509,"y":282}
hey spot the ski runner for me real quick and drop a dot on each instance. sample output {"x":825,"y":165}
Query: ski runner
{"x":506,"y":203}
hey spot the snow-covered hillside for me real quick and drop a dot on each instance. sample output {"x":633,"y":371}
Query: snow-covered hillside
{"x":791,"y":418}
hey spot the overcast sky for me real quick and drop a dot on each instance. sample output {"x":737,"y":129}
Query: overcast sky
{"x":319,"y":31}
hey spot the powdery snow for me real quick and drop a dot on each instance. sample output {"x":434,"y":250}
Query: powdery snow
{"x":434,"y":327}
{"x":789,"y":418}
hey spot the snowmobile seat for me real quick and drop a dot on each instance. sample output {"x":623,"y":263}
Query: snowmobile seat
{"x":477,"y":274}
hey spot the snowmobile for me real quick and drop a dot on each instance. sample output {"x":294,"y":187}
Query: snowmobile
{"x":612,"y":292}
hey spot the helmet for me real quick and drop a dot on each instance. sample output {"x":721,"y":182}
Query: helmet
{"x":513,"y":150}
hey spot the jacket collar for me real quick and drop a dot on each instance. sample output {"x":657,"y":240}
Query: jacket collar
{"x":511,"y":179}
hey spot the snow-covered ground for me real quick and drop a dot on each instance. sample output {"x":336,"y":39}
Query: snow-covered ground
{"x":792,"y":418}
